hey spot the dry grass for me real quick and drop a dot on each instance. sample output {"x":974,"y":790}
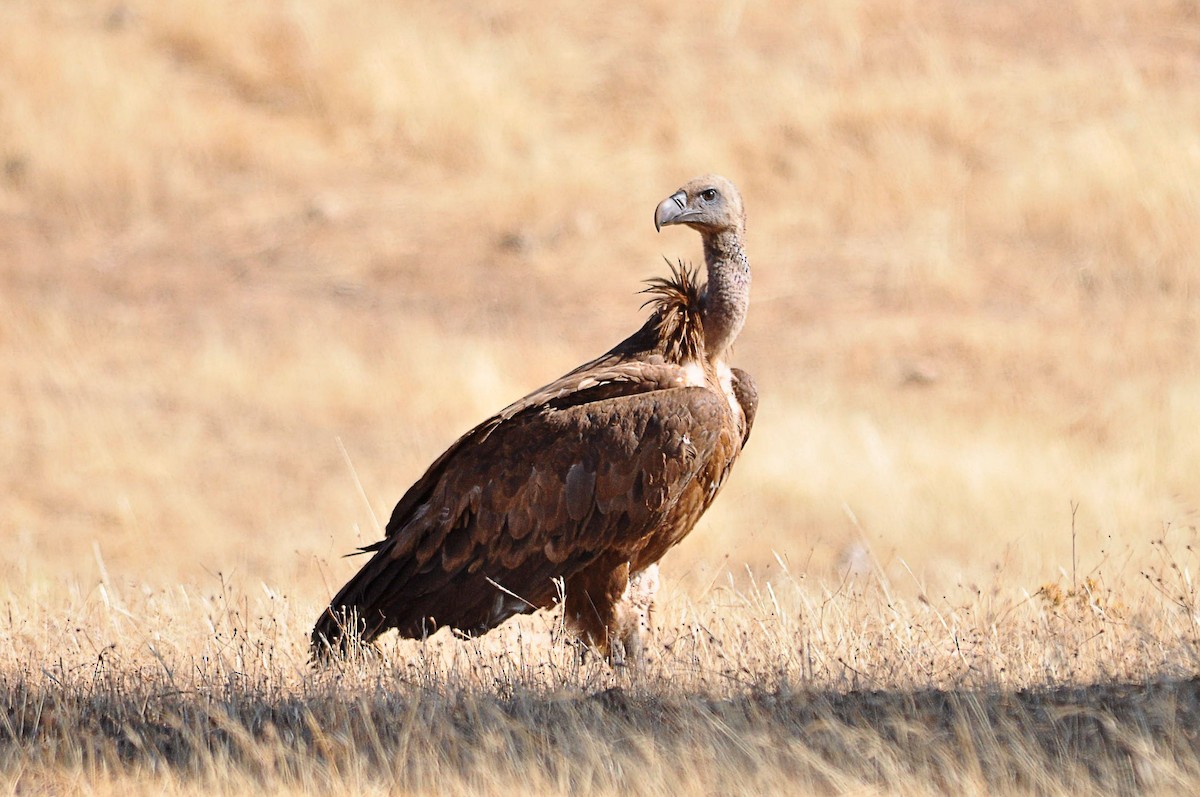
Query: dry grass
{"x":778,"y":688}
{"x":263,"y":261}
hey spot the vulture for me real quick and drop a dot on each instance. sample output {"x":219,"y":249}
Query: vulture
{"x":573,"y":493}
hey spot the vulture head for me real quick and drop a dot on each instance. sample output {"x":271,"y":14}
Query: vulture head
{"x":708,"y":204}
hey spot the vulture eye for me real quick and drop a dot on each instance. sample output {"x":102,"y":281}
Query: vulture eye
{"x":708,"y":194}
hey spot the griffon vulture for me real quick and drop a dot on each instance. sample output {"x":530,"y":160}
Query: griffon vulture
{"x":577,"y":490}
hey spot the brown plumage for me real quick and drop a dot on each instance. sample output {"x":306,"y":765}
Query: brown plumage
{"x":579,"y":488}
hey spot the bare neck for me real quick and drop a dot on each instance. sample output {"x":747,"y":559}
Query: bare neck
{"x":727,"y":295}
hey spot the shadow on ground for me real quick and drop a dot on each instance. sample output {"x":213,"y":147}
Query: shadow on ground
{"x":1111,"y":738}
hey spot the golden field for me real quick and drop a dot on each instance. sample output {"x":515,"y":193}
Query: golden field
{"x":263,"y":261}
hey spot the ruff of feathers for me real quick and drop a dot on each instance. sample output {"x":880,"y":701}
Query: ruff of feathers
{"x":676,"y":320}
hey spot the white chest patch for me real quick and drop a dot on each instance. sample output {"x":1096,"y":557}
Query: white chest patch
{"x":725,"y":377}
{"x":693,"y":375}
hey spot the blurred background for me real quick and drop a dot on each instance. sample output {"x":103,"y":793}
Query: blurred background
{"x":261,"y":262}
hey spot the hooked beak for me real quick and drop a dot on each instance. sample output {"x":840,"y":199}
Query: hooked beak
{"x":672,"y":210}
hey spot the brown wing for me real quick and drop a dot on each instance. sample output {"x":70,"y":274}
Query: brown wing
{"x":590,"y":464}
{"x":746,"y":393}
{"x":699,"y":493}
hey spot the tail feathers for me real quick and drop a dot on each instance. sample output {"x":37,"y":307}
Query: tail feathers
{"x":417,"y":600}
{"x":379,"y":597}
{"x":337,"y":632}
{"x":354,"y":618}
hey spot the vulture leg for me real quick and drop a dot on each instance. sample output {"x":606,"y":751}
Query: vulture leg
{"x":610,"y":610}
{"x":591,"y":603}
{"x":634,"y":612}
